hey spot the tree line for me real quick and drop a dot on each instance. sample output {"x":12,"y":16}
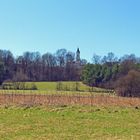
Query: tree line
{"x":109,"y":71}
{"x":121,"y":74}
{"x":32,"y":66}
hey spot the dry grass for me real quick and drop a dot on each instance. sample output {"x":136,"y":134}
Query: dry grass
{"x":59,"y":99}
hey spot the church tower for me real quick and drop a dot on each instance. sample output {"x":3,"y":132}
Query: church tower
{"x":78,"y":55}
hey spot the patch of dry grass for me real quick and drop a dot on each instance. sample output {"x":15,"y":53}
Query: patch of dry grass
{"x":60,"y":99}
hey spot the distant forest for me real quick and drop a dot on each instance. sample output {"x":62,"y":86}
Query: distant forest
{"x":107,"y":71}
{"x":121,"y":74}
{"x":32,"y":66}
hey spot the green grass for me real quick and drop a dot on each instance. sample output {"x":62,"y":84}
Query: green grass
{"x":68,"y":123}
{"x":46,"y":92}
{"x":65,"y":86}
{"x":69,"y":85}
{"x":51,"y":88}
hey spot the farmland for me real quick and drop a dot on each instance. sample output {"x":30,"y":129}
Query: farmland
{"x":49,"y":114}
{"x":69,"y":122}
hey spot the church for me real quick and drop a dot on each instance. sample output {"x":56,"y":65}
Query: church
{"x":78,"y":59}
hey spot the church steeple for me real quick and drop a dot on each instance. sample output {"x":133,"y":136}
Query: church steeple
{"x":78,"y":55}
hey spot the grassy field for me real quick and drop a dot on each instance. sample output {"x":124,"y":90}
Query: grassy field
{"x":69,"y":122}
{"x":65,"y":86}
{"x":49,"y":92}
{"x":51,"y":88}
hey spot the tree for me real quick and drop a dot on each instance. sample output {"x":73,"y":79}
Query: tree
{"x":61,"y":57}
{"x":91,"y":74}
{"x":7,"y":59}
{"x":1,"y":72}
{"x":129,"y":85}
{"x":110,"y":59}
{"x":71,"y":72}
{"x":48,"y":64}
{"x":70,"y":56}
{"x":96,"y":59}
{"x":20,"y":76}
{"x":128,"y":62}
{"x":83,"y":62}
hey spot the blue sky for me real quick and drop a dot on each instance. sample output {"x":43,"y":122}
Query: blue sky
{"x":95,"y":26}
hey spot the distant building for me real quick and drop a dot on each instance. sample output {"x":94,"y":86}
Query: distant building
{"x":78,"y":55}
{"x":78,"y":59}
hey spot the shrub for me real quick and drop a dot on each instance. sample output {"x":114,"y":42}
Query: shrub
{"x":77,"y":86}
{"x":59,"y":86}
{"x":33,"y":86}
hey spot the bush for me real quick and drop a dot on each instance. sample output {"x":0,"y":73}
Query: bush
{"x":33,"y":86}
{"x":59,"y":86}
{"x":77,"y":86}
{"x":129,"y":85}
{"x":18,"y":86}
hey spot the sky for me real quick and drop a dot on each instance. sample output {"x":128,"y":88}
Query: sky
{"x":95,"y":26}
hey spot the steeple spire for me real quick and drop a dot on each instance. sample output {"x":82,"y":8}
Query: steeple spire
{"x":78,"y":55}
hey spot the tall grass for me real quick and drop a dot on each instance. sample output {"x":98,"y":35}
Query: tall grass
{"x":61,"y":99}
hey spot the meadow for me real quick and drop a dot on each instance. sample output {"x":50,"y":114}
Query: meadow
{"x":49,"y":114}
{"x":69,"y":122}
{"x":67,"y":88}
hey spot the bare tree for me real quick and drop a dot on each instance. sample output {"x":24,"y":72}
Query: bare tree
{"x":96,"y":59}
{"x":129,"y":85}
